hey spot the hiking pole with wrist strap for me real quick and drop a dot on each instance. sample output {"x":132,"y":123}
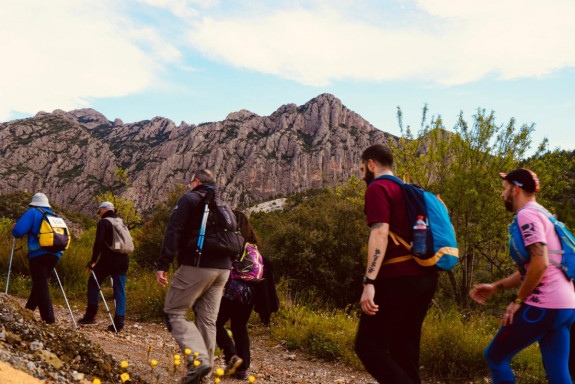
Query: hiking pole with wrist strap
{"x":10,"y":265}
{"x":65,"y":298}
{"x":104,"y":300}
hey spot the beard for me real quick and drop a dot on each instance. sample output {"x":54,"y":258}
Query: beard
{"x":369,"y":176}
{"x":509,"y":204}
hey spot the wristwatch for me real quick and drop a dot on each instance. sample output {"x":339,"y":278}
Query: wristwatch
{"x":517,"y":300}
{"x":367,"y":280}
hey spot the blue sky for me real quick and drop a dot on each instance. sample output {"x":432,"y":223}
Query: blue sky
{"x":198,"y":60}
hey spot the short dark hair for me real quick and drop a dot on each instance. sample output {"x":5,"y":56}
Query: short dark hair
{"x":205,"y":176}
{"x":379,"y":153}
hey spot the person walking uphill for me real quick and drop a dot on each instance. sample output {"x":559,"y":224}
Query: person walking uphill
{"x":203,"y":270}
{"x":42,"y":262}
{"x":544,"y":307}
{"x":237,"y":305}
{"x":107,"y":262}
{"x":396,"y":295}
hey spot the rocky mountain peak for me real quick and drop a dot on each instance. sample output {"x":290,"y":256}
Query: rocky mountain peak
{"x":72,"y":155}
{"x":89,"y":118}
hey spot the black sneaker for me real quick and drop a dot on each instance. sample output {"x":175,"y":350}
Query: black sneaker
{"x":195,"y":376}
{"x":87,"y":320}
{"x":242,"y":375}
{"x":233,"y":364}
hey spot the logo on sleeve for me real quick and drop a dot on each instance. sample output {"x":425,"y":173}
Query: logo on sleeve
{"x":528,"y":230}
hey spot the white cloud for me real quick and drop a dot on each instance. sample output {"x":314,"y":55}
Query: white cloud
{"x":181,"y":8}
{"x":63,"y":53}
{"x":449,"y":42}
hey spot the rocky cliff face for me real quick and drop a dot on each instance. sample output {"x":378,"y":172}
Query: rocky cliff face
{"x":71,"y":156}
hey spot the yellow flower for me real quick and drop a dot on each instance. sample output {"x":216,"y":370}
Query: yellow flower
{"x":217,"y":380}
{"x":196,"y":354}
{"x":176,"y":357}
{"x":219,"y":372}
{"x":177,"y":362}
{"x":251,"y":379}
{"x":124,"y":364}
{"x":187,"y":351}
{"x":96,"y":381}
{"x":153,"y":363}
{"x":149,"y":348}
{"x":125,"y":377}
{"x":196,"y":363}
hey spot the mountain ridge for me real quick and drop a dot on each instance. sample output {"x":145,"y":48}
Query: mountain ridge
{"x":72,"y":155}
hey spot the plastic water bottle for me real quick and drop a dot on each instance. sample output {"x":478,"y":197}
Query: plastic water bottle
{"x":419,"y":246}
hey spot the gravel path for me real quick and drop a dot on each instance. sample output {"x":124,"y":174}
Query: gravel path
{"x":271,"y":361}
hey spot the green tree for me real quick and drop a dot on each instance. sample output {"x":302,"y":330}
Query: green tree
{"x":124,"y":208}
{"x":149,"y":239}
{"x":462,"y":167}
{"x":318,"y":246}
{"x":556,"y":172}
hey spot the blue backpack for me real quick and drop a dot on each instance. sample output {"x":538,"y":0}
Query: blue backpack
{"x":442,"y":251}
{"x":520,"y":255}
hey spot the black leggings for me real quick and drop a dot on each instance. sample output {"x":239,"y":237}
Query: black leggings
{"x":239,"y":314}
{"x":387,"y":343}
{"x":40,"y":269}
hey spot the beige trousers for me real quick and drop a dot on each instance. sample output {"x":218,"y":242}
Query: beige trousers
{"x":201,"y":288}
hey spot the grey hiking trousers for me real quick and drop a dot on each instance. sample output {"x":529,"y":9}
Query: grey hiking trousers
{"x":201,"y":288}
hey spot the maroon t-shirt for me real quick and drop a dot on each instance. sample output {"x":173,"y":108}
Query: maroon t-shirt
{"x":384,"y":203}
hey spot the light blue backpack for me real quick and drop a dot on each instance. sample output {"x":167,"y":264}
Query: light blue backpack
{"x":442,"y":251}
{"x":520,"y":255}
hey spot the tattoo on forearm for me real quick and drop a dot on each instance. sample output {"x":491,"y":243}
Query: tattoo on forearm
{"x":376,"y":225}
{"x":374,"y":261}
{"x":535,"y":249}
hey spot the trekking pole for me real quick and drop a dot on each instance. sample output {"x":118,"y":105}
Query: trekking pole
{"x":202,"y":234}
{"x":104,"y":300}
{"x":65,"y":298}
{"x":10,"y":264}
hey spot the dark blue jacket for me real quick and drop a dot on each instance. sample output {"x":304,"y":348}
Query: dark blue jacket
{"x":180,"y":237}
{"x":29,"y":224}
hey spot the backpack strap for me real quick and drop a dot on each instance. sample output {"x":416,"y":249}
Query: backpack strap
{"x":553,"y":220}
{"x":389,"y":177}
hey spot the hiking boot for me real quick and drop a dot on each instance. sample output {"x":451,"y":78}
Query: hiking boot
{"x":90,"y":315}
{"x":195,"y":376}
{"x":233,"y":364}
{"x":118,"y":322}
{"x":242,"y":375}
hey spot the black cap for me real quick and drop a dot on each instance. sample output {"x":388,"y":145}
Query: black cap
{"x":524,"y":178}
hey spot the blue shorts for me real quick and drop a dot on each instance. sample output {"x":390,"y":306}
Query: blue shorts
{"x":550,"y":327}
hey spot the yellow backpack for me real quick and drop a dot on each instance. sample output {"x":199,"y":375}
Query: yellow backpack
{"x":54,"y":235}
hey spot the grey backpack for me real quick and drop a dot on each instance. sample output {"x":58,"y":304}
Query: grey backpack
{"x":121,"y":239}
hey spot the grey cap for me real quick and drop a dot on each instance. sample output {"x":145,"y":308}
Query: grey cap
{"x":40,"y":200}
{"x":106,"y":205}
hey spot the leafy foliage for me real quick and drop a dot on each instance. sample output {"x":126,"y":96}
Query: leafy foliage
{"x":462,"y":167}
{"x":124,"y":208}
{"x":150,"y":237}
{"x":319,"y":244}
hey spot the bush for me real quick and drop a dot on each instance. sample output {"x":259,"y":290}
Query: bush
{"x":319,"y":246}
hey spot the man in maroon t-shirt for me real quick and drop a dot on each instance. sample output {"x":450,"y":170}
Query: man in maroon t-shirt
{"x":396,"y":295}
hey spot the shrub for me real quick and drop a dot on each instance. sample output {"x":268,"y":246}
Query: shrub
{"x":325,"y":237}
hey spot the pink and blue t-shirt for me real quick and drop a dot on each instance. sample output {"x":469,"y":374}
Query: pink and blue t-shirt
{"x":555,"y":290}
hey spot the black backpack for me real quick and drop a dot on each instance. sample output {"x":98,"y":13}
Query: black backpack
{"x":219,"y":233}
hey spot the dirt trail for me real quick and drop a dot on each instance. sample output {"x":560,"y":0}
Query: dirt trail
{"x":271,"y":361}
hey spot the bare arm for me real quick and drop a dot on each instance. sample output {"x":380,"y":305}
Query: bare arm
{"x":376,"y":247}
{"x":537,"y":267}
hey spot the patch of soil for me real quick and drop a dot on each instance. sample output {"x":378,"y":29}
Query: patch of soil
{"x":271,"y":361}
